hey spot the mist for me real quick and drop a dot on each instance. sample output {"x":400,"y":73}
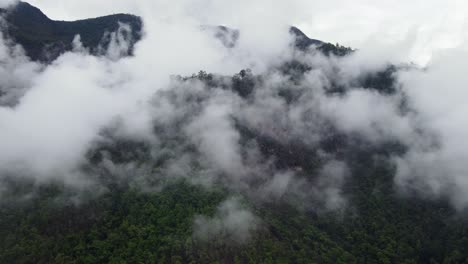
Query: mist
{"x":7,"y":3}
{"x":53,"y":117}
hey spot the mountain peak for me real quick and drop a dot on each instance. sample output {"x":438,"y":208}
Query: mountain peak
{"x":45,"y":39}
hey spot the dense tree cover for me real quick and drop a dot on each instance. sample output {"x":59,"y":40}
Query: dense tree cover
{"x":129,"y":224}
{"x":123,"y":225}
{"x":119,"y":221}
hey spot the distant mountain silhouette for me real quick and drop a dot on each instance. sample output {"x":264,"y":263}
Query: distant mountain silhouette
{"x":45,"y":39}
{"x":302,"y":40}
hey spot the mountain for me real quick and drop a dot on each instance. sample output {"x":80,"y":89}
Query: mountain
{"x":45,"y":39}
{"x":302,"y":40}
{"x":148,"y":202}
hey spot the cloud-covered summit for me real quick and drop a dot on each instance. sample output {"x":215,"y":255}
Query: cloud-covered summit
{"x":276,"y":117}
{"x":45,"y":39}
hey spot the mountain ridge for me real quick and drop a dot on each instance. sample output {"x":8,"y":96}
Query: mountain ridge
{"x":318,"y":186}
{"x":45,"y":39}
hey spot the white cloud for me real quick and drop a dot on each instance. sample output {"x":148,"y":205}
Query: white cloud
{"x":66,"y":105}
{"x":413,"y":29}
{"x":437,"y":166}
{"x":213,"y":131}
{"x":232,"y":223}
{"x":7,"y":3}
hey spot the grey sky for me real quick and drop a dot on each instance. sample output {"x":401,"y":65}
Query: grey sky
{"x":414,"y":29}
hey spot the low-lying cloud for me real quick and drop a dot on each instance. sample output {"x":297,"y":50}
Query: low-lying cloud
{"x":232,"y":223}
{"x":260,"y":132}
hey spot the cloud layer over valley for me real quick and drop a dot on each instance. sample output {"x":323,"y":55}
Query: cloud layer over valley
{"x":261,"y":118}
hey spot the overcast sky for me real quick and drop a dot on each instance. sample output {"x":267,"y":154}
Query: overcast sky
{"x":414,"y":29}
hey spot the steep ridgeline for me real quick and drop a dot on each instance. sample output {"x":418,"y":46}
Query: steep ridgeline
{"x":44,"y":39}
{"x":302,"y":42}
{"x":155,"y":212}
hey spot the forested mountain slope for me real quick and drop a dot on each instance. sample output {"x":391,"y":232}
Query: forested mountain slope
{"x":164,"y":202}
{"x":45,"y":39}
